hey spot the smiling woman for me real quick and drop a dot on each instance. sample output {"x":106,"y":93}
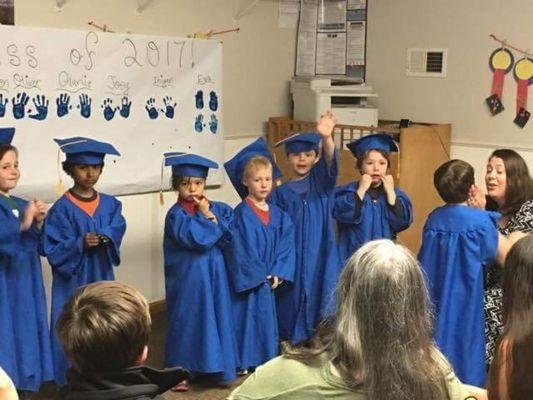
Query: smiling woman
{"x":510,"y":192}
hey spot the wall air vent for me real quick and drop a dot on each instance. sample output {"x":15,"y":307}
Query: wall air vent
{"x":429,"y":63}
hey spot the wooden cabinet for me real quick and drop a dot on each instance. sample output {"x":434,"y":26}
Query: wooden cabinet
{"x":423,"y":147}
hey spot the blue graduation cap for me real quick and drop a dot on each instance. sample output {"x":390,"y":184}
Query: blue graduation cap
{"x":6,"y":135}
{"x":377,"y":141}
{"x":184,"y":164}
{"x":85,"y":151}
{"x":235,"y":166}
{"x":300,"y":142}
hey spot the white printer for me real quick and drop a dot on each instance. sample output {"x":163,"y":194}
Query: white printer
{"x":347,"y":99}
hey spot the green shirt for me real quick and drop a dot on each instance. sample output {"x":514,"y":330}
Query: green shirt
{"x":284,"y":378}
{"x":11,"y":203}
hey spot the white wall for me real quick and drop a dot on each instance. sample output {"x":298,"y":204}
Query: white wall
{"x":257,"y":65}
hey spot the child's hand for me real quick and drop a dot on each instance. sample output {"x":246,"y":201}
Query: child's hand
{"x":476,"y":197}
{"x":364,"y":184}
{"x":29,"y":214}
{"x":388,"y":183}
{"x":388,"y":186}
{"x":91,"y":240}
{"x":202,"y":203}
{"x":276,"y":281}
{"x":326,"y":124}
{"x":42,"y":210}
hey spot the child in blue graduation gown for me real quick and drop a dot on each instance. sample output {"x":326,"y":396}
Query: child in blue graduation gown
{"x":262,"y":255}
{"x":308,"y":200}
{"x":371,"y":208}
{"x":201,"y":334}
{"x":458,"y":242}
{"x":25,"y":352}
{"x":82,"y":233}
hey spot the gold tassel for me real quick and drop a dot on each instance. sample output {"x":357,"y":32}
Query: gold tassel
{"x":161,"y":199}
{"x":59,"y":188}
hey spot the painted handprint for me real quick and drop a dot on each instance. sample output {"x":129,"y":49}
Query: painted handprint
{"x":19,"y":105}
{"x":3,"y":103}
{"x":199,"y":123}
{"x":41,"y":108}
{"x":109,"y":111}
{"x":199,"y":99}
{"x":63,"y":106}
{"x":213,"y":101}
{"x":213,"y":123}
{"x":169,"y":107}
{"x":151,"y":109}
{"x":85,"y":105}
{"x":125,"y":107}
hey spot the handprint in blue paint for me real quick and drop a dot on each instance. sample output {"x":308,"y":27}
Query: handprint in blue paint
{"x":199,"y":123}
{"x":213,"y":101}
{"x":19,"y":105}
{"x":169,"y":107}
{"x":125,"y":107}
{"x":3,"y":106}
{"x":41,"y":108}
{"x":150,"y":108}
{"x":63,"y":106}
{"x":85,"y":105}
{"x":199,"y":99}
{"x":213,"y":124}
{"x":109,"y":110}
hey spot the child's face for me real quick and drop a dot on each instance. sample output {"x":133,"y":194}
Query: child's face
{"x":301,"y":163}
{"x":259,"y":183}
{"x":374,"y":165}
{"x":9,"y":171}
{"x":191,"y":188}
{"x":85,"y":176}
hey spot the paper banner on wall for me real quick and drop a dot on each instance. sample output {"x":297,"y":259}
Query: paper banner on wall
{"x":500,"y":62}
{"x":523,"y":74}
{"x":145,"y":94}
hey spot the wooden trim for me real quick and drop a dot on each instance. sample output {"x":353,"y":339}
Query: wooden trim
{"x":157,"y":307}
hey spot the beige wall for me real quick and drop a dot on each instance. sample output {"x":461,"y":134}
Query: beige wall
{"x":463,"y":27}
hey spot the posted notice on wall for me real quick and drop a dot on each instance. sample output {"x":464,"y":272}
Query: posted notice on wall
{"x":331,"y":38}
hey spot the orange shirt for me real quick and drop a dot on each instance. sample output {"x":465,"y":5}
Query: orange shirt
{"x":263,"y":215}
{"x":87,"y":205}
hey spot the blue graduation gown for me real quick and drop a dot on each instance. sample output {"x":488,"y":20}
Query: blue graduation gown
{"x":302,"y":305}
{"x":457,"y":243}
{"x":376,"y":220}
{"x":201,"y":335}
{"x":25,"y":352}
{"x":72,"y":265}
{"x":256,"y":252}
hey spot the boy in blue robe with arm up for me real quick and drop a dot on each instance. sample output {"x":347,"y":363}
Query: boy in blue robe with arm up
{"x":82,"y":233}
{"x":308,"y":200}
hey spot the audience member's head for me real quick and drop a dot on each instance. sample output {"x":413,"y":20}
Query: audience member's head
{"x":382,"y":335}
{"x":512,"y":368}
{"x":453,"y":180}
{"x":105,"y":326}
